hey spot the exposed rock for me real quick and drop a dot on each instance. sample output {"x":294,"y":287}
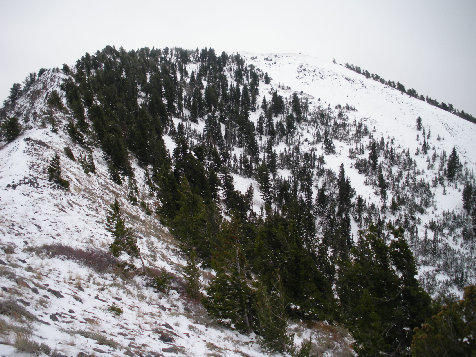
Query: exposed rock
{"x":54,"y":317}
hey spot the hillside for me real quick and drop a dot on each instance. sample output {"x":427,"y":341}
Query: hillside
{"x":241,"y":179}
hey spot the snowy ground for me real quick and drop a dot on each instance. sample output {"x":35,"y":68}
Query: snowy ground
{"x":57,"y":297}
{"x":68,"y":304}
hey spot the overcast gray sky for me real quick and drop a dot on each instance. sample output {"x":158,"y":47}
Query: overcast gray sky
{"x":429,"y":45}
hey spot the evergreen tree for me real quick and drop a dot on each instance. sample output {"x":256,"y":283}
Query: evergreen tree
{"x":453,"y":166}
{"x":230,"y":297}
{"x":373,"y":155}
{"x":418,"y":124}
{"x":11,"y":129}
{"x":54,"y":173}
{"x":379,"y":295}
{"x":124,"y":239}
{"x":382,"y":184}
{"x":192,"y":276}
{"x":195,"y":224}
{"x":272,"y":320}
{"x":15,"y":93}
{"x":468,"y":192}
{"x":451,"y":332}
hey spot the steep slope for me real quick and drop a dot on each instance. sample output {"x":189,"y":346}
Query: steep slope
{"x":297,"y":155}
{"x":62,"y":292}
{"x":390,"y":115}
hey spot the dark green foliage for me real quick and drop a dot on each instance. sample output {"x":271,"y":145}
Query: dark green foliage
{"x":195,"y":224}
{"x":279,"y":250}
{"x":305,"y":349}
{"x":87,"y":163}
{"x":453,"y":166}
{"x":468,"y":193}
{"x":54,"y":101}
{"x":54,"y":173}
{"x":191,"y":274}
{"x":15,"y":93}
{"x":230,"y":300}
{"x":418,"y":124}
{"x":380,"y":297}
{"x":116,"y":310}
{"x":69,"y":153}
{"x":373,"y":155}
{"x":451,"y":332}
{"x":159,"y":279}
{"x":230,"y":297}
{"x":124,"y":240}
{"x":272,"y":320}
{"x":329,"y":147}
{"x":11,"y":129}
{"x":125,"y":102}
{"x":75,"y":134}
{"x":382,"y":184}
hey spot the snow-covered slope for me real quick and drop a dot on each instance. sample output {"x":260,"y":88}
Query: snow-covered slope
{"x":57,"y":284}
{"x":383,"y":108}
{"x":60,"y":293}
{"x":390,"y":115}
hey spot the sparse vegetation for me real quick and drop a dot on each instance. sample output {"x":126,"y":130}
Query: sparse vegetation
{"x":14,"y":310}
{"x":23,"y":343}
{"x":116,"y":310}
{"x":99,"y":338}
{"x":54,"y":173}
{"x":159,"y":279}
{"x":69,"y":153}
{"x":99,"y":260}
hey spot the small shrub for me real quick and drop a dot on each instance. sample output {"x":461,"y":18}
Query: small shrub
{"x":159,"y":279}
{"x":100,"y":339}
{"x":146,"y":208}
{"x":23,"y":343}
{"x":305,"y":349}
{"x":12,"y":309}
{"x":54,"y":101}
{"x":116,"y":310}
{"x":69,"y":153}
{"x":54,"y":173}
{"x":87,"y":163}
{"x":96,"y":259}
{"x":74,"y":133}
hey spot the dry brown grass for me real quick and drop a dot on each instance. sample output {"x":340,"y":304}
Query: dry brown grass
{"x":99,"y":260}
{"x":23,"y":343}
{"x":11,"y":309}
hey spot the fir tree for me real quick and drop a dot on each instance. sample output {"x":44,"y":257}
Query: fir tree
{"x":124,"y":239}
{"x":453,"y":166}
{"x":418,"y":124}
{"x":192,"y":276}
{"x":271,"y":319}
{"x":468,"y":192}
{"x":54,"y":173}
{"x":11,"y":129}
{"x":451,"y":332}
{"x":373,"y":155}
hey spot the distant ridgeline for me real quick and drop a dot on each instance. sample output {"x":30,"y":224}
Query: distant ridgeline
{"x":413,"y":93}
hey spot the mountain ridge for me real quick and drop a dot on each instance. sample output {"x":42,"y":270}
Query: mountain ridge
{"x":343,"y":123}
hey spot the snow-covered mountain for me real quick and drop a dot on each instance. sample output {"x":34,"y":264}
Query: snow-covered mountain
{"x":391,"y":115}
{"x":61,"y":293}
